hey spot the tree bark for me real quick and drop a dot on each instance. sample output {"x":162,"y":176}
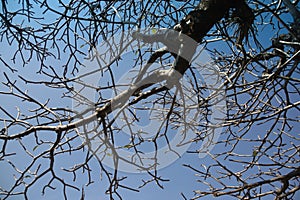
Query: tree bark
{"x":197,"y":24}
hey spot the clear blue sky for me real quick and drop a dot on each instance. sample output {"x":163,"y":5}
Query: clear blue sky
{"x":181,"y":178}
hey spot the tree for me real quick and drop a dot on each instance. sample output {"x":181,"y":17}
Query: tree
{"x":255,"y":46}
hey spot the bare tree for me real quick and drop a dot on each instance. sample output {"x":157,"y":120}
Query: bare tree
{"x":255,"y":46}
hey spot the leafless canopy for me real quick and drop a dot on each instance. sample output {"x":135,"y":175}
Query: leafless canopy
{"x":45,"y":135}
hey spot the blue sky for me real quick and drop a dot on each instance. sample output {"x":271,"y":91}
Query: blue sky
{"x":181,"y":178}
